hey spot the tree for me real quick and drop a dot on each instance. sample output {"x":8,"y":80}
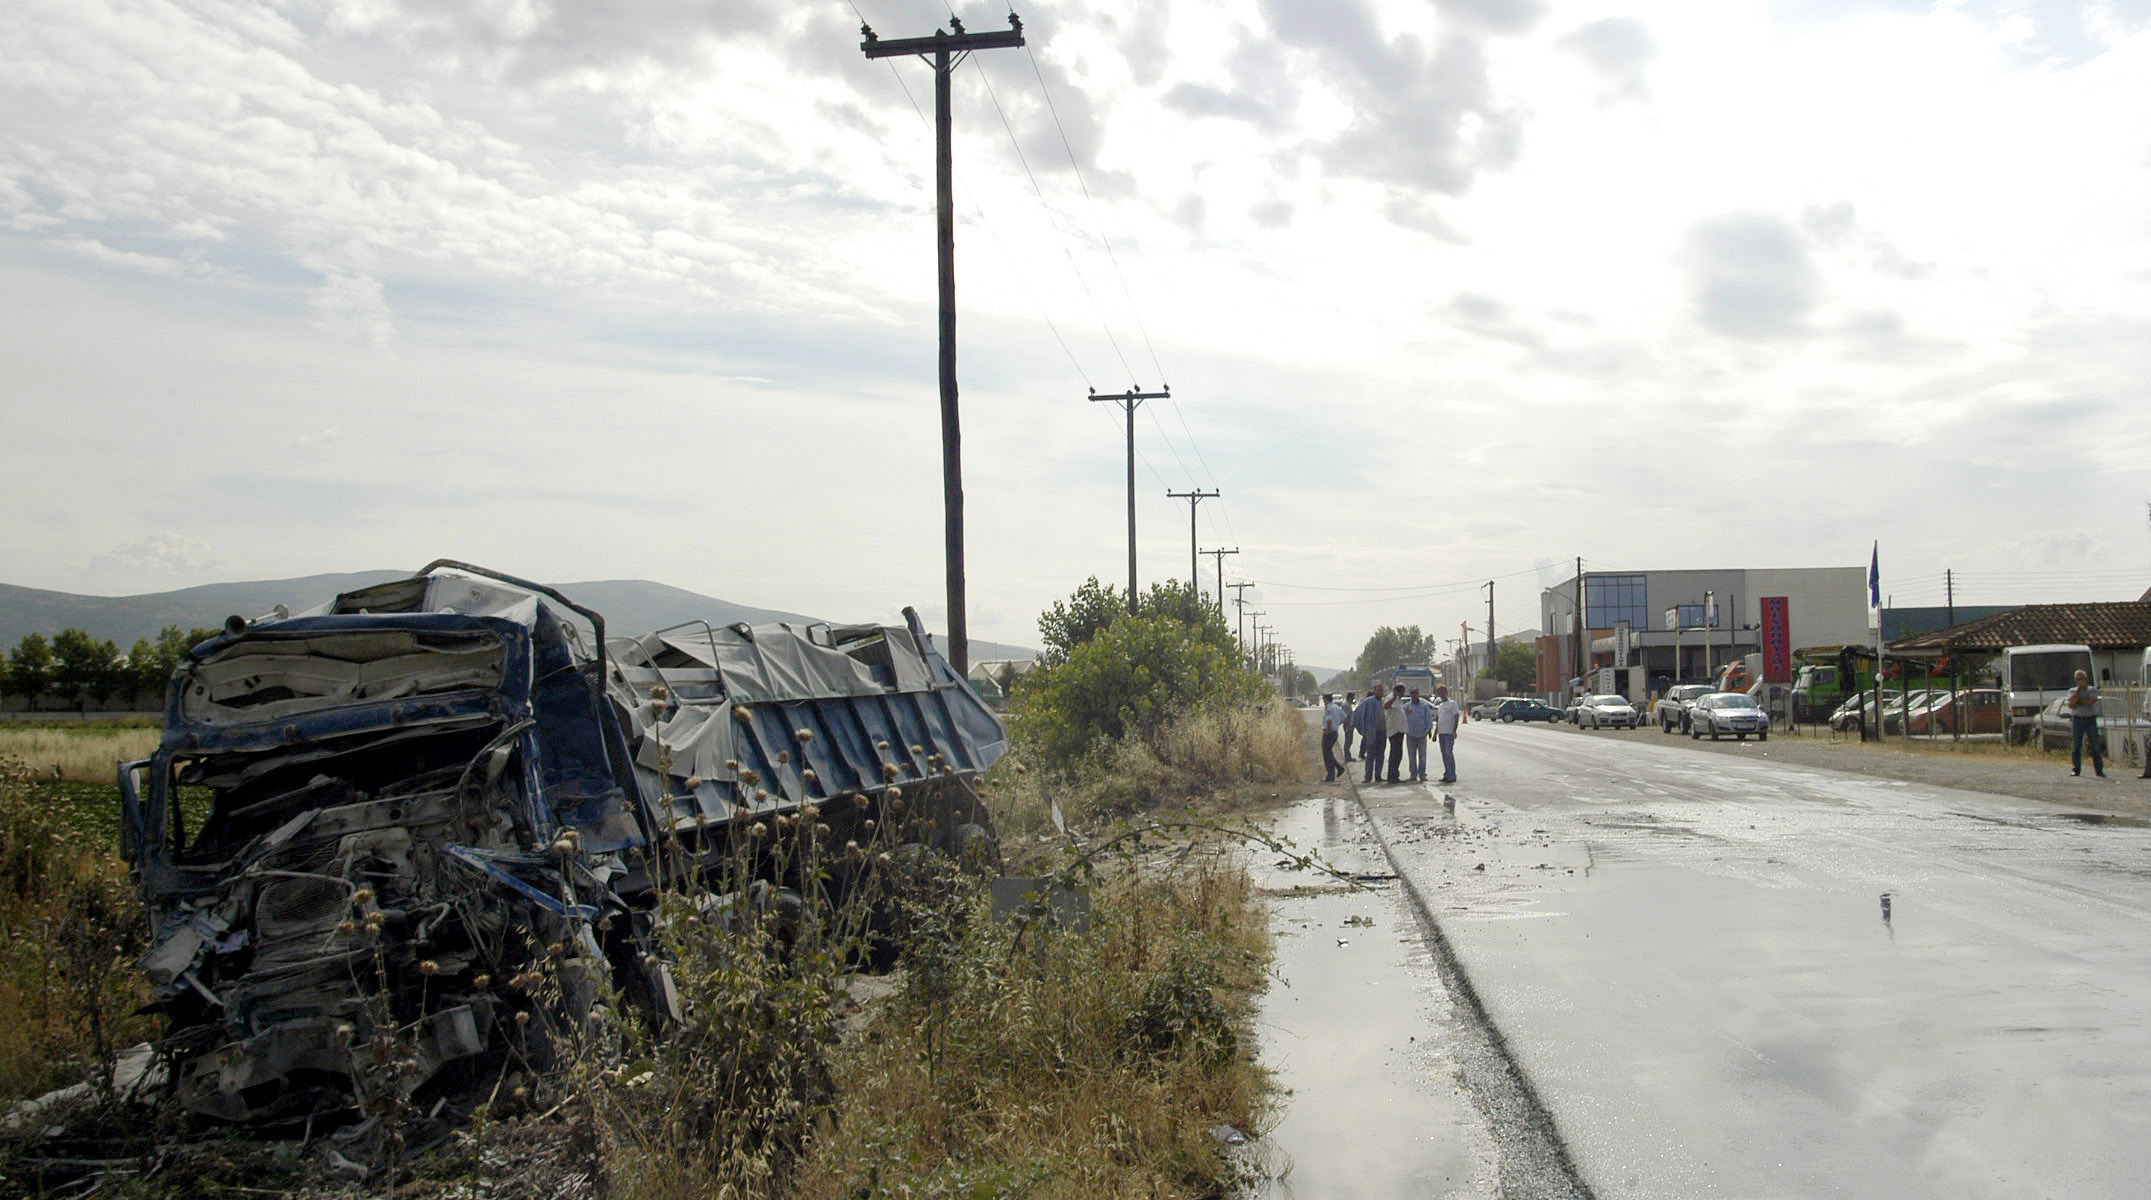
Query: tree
{"x":1390,"y":646}
{"x":1078,"y":619}
{"x":1094,"y":606}
{"x":29,"y":667}
{"x":150,"y":665}
{"x":83,"y":666}
{"x":142,"y":669}
{"x":1134,"y":675}
{"x":1516,"y":666}
{"x":1297,"y":681}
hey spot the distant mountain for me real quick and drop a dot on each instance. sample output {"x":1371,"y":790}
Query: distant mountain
{"x":126,"y":618}
{"x":628,"y":606}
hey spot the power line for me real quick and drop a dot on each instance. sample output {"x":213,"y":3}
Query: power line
{"x":1077,"y":168}
{"x":978,"y":211}
{"x":1404,"y":587}
{"x":1053,"y":219}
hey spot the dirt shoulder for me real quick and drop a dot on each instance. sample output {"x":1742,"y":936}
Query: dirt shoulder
{"x":2023,"y":772}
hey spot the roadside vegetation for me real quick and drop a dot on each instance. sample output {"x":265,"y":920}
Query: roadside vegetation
{"x":1009,"y":1054}
{"x":71,"y":668}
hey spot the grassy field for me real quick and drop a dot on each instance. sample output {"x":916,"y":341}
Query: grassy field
{"x":77,"y":751}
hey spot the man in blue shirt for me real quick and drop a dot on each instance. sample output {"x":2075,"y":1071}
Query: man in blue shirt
{"x":1418,"y":723}
{"x":1367,"y":719}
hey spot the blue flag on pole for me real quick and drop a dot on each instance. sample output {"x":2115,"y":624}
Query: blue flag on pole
{"x":1874,"y":577}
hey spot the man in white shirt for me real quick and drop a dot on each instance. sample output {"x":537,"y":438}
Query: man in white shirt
{"x":1447,"y":716}
{"x":1334,"y":721}
{"x":1396,"y":718}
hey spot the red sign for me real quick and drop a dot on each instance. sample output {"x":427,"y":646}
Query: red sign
{"x":1777,"y":640}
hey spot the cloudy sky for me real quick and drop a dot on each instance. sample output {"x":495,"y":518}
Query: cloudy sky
{"x":1445,"y":292}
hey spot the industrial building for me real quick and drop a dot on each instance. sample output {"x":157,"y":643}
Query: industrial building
{"x":1658,"y":628}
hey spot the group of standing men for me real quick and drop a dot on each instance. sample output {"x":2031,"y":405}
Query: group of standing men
{"x":1390,"y":730}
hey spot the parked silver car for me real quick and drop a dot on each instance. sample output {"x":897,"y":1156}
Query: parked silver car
{"x":1607,"y":711}
{"x":1672,"y":709}
{"x":1728,"y":712}
{"x":1484,"y":710}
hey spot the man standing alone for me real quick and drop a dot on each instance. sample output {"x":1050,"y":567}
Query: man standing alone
{"x":1334,"y":721}
{"x":1447,"y":716}
{"x":1367,"y":719}
{"x":2084,"y":726}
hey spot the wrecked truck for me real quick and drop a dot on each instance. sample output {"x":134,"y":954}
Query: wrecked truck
{"x":368,"y":827}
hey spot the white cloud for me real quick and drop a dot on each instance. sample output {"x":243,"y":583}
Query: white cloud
{"x":665,"y":267}
{"x":151,"y":562}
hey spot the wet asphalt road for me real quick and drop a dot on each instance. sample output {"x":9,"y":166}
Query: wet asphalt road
{"x":1730,"y":978}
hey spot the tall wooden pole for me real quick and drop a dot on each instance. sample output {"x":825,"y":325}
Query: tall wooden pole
{"x":1193,"y":497}
{"x":1130,"y":400}
{"x":1219,"y":555}
{"x":946,"y":49}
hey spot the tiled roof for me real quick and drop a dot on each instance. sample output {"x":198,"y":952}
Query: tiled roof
{"x":2113,"y":625}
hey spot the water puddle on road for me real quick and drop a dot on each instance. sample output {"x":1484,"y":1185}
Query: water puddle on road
{"x":1355,"y":1029}
{"x":2123,"y":820}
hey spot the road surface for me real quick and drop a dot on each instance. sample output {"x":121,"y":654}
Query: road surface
{"x":1732,"y":977}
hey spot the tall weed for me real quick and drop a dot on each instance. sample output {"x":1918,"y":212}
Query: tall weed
{"x":70,"y":928}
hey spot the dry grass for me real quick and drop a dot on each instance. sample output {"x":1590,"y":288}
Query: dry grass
{"x":82,"y":753}
{"x":1062,"y":1064}
{"x":1212,"y":762}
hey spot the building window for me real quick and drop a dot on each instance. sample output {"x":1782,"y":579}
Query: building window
{"x":1609,"y":600}
{"x":1691,"y":615}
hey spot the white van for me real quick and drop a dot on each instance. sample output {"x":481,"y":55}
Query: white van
{"x":2035,"y":676}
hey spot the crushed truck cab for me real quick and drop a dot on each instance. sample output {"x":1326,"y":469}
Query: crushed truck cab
{"x":369,"y":831}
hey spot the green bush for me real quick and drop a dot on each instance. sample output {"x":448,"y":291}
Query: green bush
{"x":1129,"y":680}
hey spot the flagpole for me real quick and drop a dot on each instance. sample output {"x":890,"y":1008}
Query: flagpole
{"x":1874,"y":604}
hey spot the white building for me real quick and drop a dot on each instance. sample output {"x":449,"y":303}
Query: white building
{"x":1683,"y":624}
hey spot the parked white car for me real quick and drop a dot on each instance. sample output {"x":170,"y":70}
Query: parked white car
{"x":1728,"y":712}
{"x":1607,"y":711}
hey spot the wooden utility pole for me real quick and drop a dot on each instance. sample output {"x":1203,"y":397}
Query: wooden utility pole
{"x":1219,"y":555}
{"x":944,"y":50}
{"x":1583,"y":654}
{"x":1193,"y":498}
{"x":1239,"y":607}
{"x":1489,"y":625}
{"x":1129,"y":400}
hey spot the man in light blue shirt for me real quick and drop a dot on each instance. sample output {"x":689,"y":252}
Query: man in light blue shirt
{"x":1418,"y":723}
{"x":1367,"y":719}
